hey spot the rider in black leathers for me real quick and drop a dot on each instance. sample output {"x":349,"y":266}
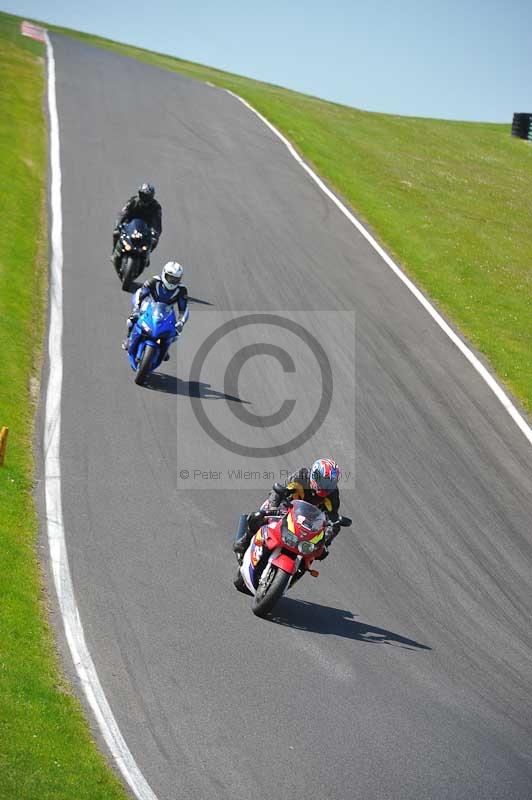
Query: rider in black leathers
{"x":143,"y":206}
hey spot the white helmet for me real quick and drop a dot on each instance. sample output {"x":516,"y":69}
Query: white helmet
{"x":172,"y":274}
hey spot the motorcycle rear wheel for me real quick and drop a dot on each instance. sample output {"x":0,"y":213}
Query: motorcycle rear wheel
{"x":144,"y":366}
{"x":267,"y":596}
{"x":129,"y":273}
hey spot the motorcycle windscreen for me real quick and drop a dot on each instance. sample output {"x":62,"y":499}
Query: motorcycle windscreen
{"x":137,"y":228}
{"x":158,"y":317}
{"x":162,"y":311}
{"x":308,"y":516}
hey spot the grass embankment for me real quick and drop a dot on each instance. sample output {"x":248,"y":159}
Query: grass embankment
{"x":45,"y":745}
{"x":449,"y":200}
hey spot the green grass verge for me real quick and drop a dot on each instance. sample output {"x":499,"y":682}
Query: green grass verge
{"x":451,"y":201}
{"x":46,"y":750}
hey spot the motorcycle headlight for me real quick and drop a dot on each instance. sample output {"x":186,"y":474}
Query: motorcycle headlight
{"x":127,"y":246}
{"x":144,"y":246}
{"x":290,"y":539}
{"x":306,"y":547}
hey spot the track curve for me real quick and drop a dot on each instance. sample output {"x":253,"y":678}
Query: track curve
{"x":404,"y":671}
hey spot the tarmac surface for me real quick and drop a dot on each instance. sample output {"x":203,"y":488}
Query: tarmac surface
{"x":402,"y":672}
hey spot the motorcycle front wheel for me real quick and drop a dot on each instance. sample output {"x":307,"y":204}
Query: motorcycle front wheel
{"x":129,"y":273}
{"x":144,"y":366}
{"x":269,"y":594}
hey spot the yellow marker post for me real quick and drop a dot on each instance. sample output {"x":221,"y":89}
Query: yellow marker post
{"x":3,"y":444}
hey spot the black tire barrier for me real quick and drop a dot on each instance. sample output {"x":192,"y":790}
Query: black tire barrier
{"x":522,"y":126}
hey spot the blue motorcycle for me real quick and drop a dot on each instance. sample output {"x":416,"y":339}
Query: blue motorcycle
{"x":150,"y":338}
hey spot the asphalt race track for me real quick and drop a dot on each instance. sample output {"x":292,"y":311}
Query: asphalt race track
{"x":404,"y":671}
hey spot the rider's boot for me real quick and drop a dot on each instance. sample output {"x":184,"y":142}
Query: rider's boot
{"x":241,"y":545}
{"x":255,"y":521}
{"x":131,"y":321}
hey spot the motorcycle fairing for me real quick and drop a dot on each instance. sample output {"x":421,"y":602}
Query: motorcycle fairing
{"x":137,"y":235}
{"x":286,"y":562}
{"x":250,"y":568}
{"x":137,"y":343}
{"x":247,"y":570}
{"x":156,"y":326}
{"x":268,"y":541}
{"x":257,"y":549}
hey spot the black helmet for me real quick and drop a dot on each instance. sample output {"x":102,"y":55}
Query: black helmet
{"x":146,"y":192}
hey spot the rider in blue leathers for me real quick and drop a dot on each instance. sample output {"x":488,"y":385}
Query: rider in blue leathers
{"x":166,"y":288}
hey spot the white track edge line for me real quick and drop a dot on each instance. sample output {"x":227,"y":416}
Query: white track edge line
{"x":464,"y":349}
{"x":52,"y":476}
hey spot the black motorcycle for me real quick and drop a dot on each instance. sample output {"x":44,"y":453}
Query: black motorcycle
{"x":135,"y":241}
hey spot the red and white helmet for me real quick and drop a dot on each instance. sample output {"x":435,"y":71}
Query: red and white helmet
{"x":324,"y":476}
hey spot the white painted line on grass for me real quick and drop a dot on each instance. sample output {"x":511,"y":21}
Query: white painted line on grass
{"x":464,"y":349}
{"x":52,"y":477}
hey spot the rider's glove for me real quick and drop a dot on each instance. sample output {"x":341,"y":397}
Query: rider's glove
{"x":334,"y":530}
{"x":179,"y":327}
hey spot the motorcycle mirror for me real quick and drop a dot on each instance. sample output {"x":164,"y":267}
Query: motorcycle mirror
{"x":345,"y":522}
{"x":278,"y":488}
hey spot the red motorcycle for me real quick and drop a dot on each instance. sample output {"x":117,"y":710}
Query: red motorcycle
{"x":282,"y":550}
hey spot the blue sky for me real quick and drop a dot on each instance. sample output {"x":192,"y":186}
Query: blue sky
{"x":451,"y":59}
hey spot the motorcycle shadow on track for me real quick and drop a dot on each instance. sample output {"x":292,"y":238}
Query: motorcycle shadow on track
{"x":331,"y":621}
{"x":169,"y":384}
{"x":135,"y":286}
{"x":199,"y":301}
